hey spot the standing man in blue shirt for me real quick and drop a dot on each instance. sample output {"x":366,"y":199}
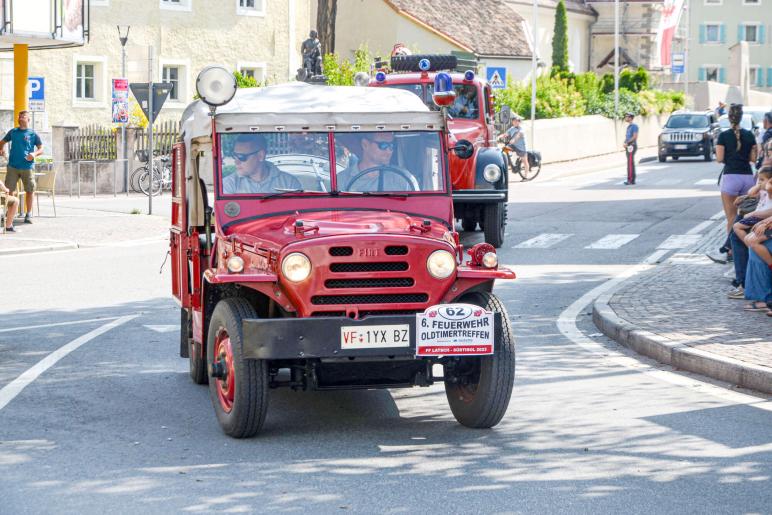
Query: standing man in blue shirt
{"x":25,"y":147}
{"x":631,"y":147}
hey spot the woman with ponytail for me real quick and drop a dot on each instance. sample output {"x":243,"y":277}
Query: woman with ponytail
{"x":736,"y":148}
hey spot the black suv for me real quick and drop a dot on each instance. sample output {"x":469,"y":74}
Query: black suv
{"x":689,"y":134}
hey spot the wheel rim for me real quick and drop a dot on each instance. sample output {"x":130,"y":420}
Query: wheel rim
{"x":469,"y":381}
{"x":223,"y":356}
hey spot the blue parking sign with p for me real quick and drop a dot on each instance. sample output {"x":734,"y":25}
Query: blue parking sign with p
{"x":497,"y":77}
{"x":37,"y":88}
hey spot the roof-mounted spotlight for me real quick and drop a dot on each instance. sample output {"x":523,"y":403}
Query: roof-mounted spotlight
{"x":469,"y":75}
{"x":380,"y":77}
{"x":424,"y":65}
{"x":215,"y":85}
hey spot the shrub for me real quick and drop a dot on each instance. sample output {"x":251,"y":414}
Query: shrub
{"x":341,"y":72}
{"x":560,"y":39}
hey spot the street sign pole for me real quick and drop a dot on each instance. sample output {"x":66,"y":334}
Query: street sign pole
{"x":686,"y":53}
{"x":534,"y":44}
{"x":150,"y":120}
{"x":616,"y":58}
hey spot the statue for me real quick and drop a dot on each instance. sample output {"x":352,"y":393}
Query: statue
{"x":312,"y":58}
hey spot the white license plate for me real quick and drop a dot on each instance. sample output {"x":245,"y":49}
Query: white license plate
{"x":681,"y":147}
{"x":374,"y":336}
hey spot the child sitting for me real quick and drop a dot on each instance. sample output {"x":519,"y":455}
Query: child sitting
{"x":763,"y":208}
{"x":12,"y":203}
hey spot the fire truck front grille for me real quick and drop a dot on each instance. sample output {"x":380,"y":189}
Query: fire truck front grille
{"x":396,"y":250}
{"x":341,"y":251}
{"x":347,"y":268}
{"x":393,"y":298}
{"x":389,"y":282}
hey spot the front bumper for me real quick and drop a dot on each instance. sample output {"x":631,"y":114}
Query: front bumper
{"x":695,"y":148}
{"x":320,"y":337}
{"x":479,"y":196}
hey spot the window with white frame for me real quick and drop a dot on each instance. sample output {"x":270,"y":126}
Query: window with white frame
{"x":714,"y":2}
{"x":171,"y":74}
{"x":751,"y":2}
{"x":177,"y":5}
{"x":99,"y":3}
{"x":712,"y":73}
{"x":253,"y":70}
{"x":250,"y":7}
{"x":751,"y":32}
{"x":712,"y":33}
{"x":755,"y":76}
{"x":6,"y":81}
{"x":88,"y":86}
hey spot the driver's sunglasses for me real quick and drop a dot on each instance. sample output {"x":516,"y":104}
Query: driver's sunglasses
{"x":384,"y":145}
{"x":243,"y":157}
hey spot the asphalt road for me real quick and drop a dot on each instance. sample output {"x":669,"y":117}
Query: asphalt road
{"x":115,"y":425}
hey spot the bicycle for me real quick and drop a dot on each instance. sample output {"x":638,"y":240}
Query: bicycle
{"x":534,"y":159}
{"x":161,"y":179}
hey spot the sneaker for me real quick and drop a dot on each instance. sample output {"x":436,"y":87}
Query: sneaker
{"x":716,"y":259}
{"x":10,"y":229}
{"x":27,"y":219}
{"x":628,"y":183}
{"x":737,"y":294}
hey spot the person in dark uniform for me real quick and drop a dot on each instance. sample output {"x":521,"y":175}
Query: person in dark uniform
{"x":631,"y":147}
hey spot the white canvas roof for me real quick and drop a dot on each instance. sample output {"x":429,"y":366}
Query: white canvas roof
{"x":301,"y":106}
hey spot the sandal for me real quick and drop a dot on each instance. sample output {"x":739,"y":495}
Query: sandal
{"x":756,"y":306}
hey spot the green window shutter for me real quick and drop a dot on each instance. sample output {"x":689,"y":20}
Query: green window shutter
{"x":702,"y":33}
{"x":721,"y":33}
{"x":769,"y":77}
{"x":740,"y":32}
{"x":721,"y":75}
{"x":702,"y":75}
{"x":760,"y":77}
{"x":761,"y":34}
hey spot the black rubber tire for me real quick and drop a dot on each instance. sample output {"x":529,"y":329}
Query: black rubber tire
{"x":250,"y":403}
{"x":487,"y":404}
{"x":662,"y":158}
{"x":532,"y":172}
{"x":196,"y":358}
{"x":134,"y":179}
{"x":469,"y":224}
{"x":409,"y":63}
{"x":495,"y":219}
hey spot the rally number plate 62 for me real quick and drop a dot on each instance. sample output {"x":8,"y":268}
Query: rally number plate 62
{"x":454,"y":330}
{"x":374,"y":336}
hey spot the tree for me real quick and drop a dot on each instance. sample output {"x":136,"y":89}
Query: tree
{"x":325,"y":24}
{"x":560,"y":39}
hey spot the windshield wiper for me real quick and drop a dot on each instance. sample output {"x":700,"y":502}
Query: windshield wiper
{"x":372,"y":193}
{"x":284,"y":191}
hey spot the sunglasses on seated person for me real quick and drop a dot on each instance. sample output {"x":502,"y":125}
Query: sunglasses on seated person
{"x":243,"y":157}
{"x":383,"y":145}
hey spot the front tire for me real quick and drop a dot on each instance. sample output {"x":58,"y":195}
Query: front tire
{"x":196,"y":358}
{"x":468,"y":223}
{"x":240,"y":394}
{"x":480,"y":397}
{"x":495,"y":218}
{"x":662,"y":158}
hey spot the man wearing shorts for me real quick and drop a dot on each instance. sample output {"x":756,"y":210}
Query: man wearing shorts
{"x":25,"y":146}
{"x":514,"y":138}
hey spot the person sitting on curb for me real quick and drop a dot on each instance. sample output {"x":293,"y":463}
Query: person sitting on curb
{"x":12,"y":205}
{"x":758,"y":279}
{"x":762,"y":191}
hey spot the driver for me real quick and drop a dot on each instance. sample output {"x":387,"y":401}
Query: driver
{"x":465,"y":105}
{"x":253,"y":173}
{"x":377,"y":150}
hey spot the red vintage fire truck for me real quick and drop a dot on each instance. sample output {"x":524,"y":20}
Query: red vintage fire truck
{"x":480,"y":184}
{"x":313,"y":247}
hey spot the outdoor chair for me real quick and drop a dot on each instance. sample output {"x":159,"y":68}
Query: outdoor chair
{"x":46,"y":185}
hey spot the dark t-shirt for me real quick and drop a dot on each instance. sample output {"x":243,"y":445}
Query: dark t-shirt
{"x":737,"y":162}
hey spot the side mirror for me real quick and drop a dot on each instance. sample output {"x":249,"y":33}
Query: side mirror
{"x":504,"y":117}
{"x":463,"y":149}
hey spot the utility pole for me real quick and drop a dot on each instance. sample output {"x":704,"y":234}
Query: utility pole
{"x":150,"y":160}
{"x":616,"y":58}
{"x":534,"y":42}
{"x":124,"y":39}
{"x":686,"y":51}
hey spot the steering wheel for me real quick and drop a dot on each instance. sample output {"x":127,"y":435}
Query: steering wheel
{"x":382,"y":170}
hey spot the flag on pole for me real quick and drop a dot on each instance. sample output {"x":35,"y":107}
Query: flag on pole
{"x":668,"y":23}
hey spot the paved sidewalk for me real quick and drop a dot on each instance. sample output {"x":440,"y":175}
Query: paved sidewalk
{"x":596,"y":164}
{"x":679,"y":313}
{"x":88,"y":222}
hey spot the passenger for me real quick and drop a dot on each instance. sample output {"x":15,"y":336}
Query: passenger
{"x":12,"y":205}
{"x":377,"y":151}
{"x":465,"y":105}
{"x":253,"y":173}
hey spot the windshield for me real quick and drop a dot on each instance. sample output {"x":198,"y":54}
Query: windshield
{"x":745,"y":123}
{"x":299,"y":162}
{"x":688,"y":121}
{"x":466,"y":105}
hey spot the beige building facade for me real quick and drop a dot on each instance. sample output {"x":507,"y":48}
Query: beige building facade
{"x":260,"y":38}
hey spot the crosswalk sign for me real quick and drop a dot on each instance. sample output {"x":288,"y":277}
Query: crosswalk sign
{"x":497,"y":77}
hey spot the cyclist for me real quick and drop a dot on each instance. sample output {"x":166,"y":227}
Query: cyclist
{"x":514,"y":138}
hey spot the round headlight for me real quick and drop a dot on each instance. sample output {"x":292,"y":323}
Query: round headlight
{"x":235,"y":264}
{"x":441,"y":264}
{"x":296,"y":267}
{"x":215,"y":85}
{"x":491,"y":173}
{"x":490,"y":260}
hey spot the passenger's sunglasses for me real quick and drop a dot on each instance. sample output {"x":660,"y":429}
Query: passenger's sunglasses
{"x":243,"y":157}
{"x":383,"y":145}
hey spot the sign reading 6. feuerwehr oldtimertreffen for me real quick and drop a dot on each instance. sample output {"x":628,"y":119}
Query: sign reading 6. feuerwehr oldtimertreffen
{"x":454,"y":330}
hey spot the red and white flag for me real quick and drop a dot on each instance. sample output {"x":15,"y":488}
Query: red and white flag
{"x":668,"y":23}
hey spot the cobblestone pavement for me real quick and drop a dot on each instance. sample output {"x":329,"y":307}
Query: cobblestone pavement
{"x":685,"y":301}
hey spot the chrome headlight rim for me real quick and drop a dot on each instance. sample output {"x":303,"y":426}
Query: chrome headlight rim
{"x":235,"y":264}
{"x":294,"y":259}
{"x":491,"y":173}
{"x":441,"y":264}
{"x":490,"y":260}
{"x":215,"y":85}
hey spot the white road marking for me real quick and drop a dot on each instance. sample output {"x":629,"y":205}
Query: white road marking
{"x":612,"y":241}
{"x":57,"y":324}
{"x":543,"y":241}
{"x":701,"y":227}
{"x":162,"y":328}
{"x":705,"y":182}
{"x":14,"y":388}
{"x":668,"y":182}
{"x":567,"y":325}
{"x":718,"y":216}
{"x":679,"y":241}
